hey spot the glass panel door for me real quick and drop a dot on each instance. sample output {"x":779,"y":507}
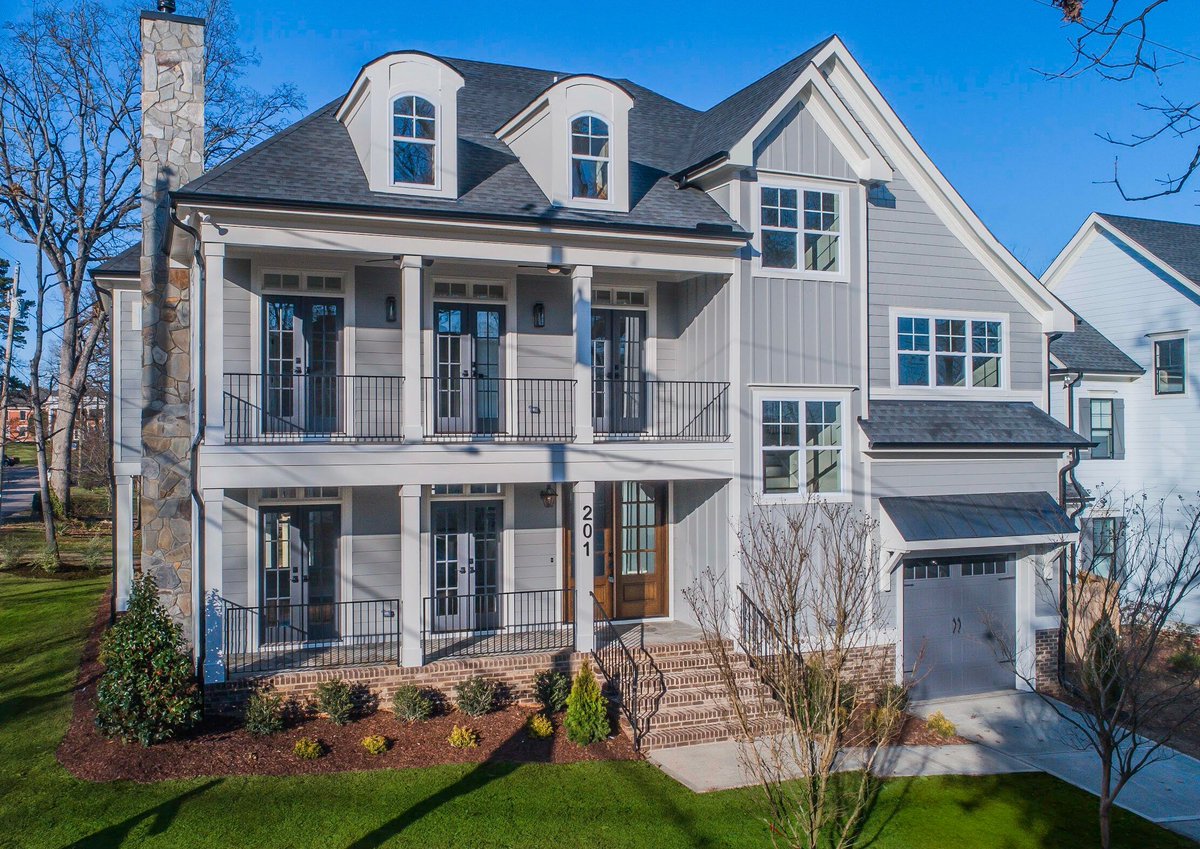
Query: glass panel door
{"x":468,"y":352}
{"x":486,"y":369}
{"x":301,"y":352}
{"x":466,"y":565}
{"x":323,"y":331}
{"x":298,"y":579}
{"x":618,"y":370}
{"x":283,"y":361}
{"x":485,"y":568}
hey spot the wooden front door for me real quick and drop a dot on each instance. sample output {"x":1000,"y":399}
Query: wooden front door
{"x":630,"y":571}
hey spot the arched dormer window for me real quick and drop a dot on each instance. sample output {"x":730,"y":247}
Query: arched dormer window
{"x":414,"y":141}
{"x":590,"y":158}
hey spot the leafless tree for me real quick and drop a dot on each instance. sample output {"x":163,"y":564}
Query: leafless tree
{"x":808,"y":620}
{"x":1111,"y":39}
{"x":1121,"y":600}
{"x":69,"y":174}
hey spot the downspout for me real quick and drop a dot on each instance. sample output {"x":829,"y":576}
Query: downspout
{"x":198,"y":502}
{"x":1066,"y":560}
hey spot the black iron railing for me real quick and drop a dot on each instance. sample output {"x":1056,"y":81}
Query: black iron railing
{"x":292,"y":407}
{"x":618,"y":663}
{"x":678,"y":410}
{"x":274,"y":637}
{"x":772,"y":653}
{"x":520,"y":409}
{"x":483,"y":624}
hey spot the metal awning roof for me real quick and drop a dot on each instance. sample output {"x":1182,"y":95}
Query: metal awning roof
{"x":974,"y":519}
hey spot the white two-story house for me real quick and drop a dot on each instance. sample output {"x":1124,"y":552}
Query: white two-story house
{"x":484,"y":358}
{"x":1128,"y":375}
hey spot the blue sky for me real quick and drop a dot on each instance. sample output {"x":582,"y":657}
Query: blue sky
{"x":1022,"y":150}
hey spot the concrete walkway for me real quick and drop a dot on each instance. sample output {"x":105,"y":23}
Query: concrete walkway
{"x":1026,"y":729}
{"x":20,"y":485}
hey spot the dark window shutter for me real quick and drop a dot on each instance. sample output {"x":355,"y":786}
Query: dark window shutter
{"x":1118,"y":451}
{"x":1083,"y":422}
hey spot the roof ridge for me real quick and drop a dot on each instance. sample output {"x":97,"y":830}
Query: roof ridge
{"x":1110,"y":215}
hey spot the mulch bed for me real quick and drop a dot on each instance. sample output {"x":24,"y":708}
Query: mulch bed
{"x":915,"y":732}
{"x":219,"y":747}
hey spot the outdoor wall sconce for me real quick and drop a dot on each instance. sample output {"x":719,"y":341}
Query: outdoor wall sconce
{"x":389,"y":308}
{"x":548,"y":495}
{"x":539,"y":314}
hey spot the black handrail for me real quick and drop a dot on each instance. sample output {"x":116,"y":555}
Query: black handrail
{"x":319,"y":635}
{"x":671,"y":410}
{"x":616,"y":662}
{"x":285,"y":407}
{"x":486,"y":624}
{"x":517,"y":409}
{"x":773,"y":655}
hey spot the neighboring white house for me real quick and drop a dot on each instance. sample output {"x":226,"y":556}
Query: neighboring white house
{"x":480,"y":342}
{"x":1135,"y":285}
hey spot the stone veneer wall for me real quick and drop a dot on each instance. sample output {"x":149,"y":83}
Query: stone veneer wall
{"x":172,"y":154}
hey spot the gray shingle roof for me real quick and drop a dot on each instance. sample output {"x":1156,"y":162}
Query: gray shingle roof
{"x":977,"y":516}
{"x":314,"y":163}
{"x":1090,"y":351}
{"x":960,"y":424}
{"x":127,"y":263}
{"x":1176,"y":244}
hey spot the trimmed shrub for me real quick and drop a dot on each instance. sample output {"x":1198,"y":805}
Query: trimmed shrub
{"x":148,"y":691}
{"x":308,"y":749}
{"x":939,"y":725}
{"x":264,"y":712}
{"x":463,"y":737}
{"x":587,"y":709}
{"x":883,"y":722}
{"x":412,"y":704}
{"x":47,"y":560}
{"x":335,"y":699}
{"x":375,"y":744}
{"x":97,"y":554}
{"x":551,"y":689}
{"x":14,"y":552}
{"x":476,"y":696}
{"x":539,"y":726}
{"x":894,"y":696}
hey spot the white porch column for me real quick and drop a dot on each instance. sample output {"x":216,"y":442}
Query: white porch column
{"x":581,"y":326}
{"x":410,"y":318}
{"x":411,"y":602}
{"x":214,"y":572}
{"x":583,"y":559}
{"x":213,"y":343}
{"x":123,"y":537}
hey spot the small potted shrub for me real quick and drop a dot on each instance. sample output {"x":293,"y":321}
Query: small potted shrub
{"x":411,"y":703}
{"x":375,"y":744}
{"x":264,"y":712}
{"x":335,"y":699}
{"x":539,"y":726}
{"x":463,"y":737}
{"x":587,"y":709}
{"x":551,"y":689}
{"x":476,"y":696}
{"x":308,"y":749}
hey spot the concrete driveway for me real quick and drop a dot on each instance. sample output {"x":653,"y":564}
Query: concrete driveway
{"x":1023,"y":727}
{"x":20,"y":485}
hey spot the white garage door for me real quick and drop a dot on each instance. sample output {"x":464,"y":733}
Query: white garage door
{"x":956,"y":609}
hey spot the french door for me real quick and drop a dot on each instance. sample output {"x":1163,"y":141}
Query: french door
{"x":466,"y":568}
{"x":301,"y":351}
{"x":618,"y":371}
{"x":298,"y":578}
{"x":467,"y":394}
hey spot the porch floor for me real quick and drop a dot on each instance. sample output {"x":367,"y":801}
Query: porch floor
{"x":660,"y":631}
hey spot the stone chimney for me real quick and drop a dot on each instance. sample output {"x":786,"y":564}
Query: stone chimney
{"x":172,"y":154}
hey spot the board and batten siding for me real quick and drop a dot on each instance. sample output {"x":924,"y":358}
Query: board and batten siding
{"x":129,"y":381}
{"x":703,"y":534}
{"x":375,"y":542}
{"x":916,"y":263}
{"x":798,"y":145}
{"x":693,"y":329}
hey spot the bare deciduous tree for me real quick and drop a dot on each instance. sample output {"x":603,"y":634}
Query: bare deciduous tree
{"x":1114,"y":43}
{"x":1120,"y":605}
{"x":70,"y":133}
{"x":808,"y":620}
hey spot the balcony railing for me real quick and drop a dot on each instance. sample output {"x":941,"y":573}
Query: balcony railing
{"x":517,"y":409}
{"x":297,"y":407}
{"x":484,"y":624}
{"x":274,"y":637}
{"x":669,"y":410}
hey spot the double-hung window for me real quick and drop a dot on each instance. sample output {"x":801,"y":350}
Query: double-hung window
{"x":589,"y":158}
{"x":802,"y":447}
{"x":950,"y":351}
{"x":1105,"y":532}
{"x":1102,"y":427}
{"x":801,"y":229}
{"x":1170,"y":368}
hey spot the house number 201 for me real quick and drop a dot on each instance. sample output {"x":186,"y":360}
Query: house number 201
{"x":586,"y":530}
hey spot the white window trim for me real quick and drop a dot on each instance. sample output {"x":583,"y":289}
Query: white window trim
{"x":841,"y":396}
{"x":438,"y":133}
{"x":774,"y":180}
{"x":596,"y":203}
{"x":895,"y":313}
{"x":1155,"y":338}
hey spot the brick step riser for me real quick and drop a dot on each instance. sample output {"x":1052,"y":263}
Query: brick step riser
{"x":692,"y":679}
{"x":685,"y":661}
{"x":672,"y":738}
{"x":680,"y":650}
{"x":704,"y":718}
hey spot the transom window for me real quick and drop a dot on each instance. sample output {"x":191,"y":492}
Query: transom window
{"x":590,"y":158}
{"x":300,"y":493}
{"x":796,"y":432}
{"x":1170,"y":366}
{"x":619,"y":297}
{"x":414,"y":140}
{"x":466,"y":489}
{"x":1100,"y":420}
{"x":478,"y":291}
{"x":921,"y":570}
{"x":948,"y":352}
{"x":790,"y":238}
{"x":976,"y":568}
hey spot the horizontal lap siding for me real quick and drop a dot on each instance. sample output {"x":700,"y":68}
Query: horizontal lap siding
{"x":535,"y":541}
{"x":949,"y":477}
{"x":915,"y":262}
{"x":238,"y":357}
{"x":237,"y":532}
{"x":375,"y":545}
{"x":129,"y":430}
{"x":378,"y":352}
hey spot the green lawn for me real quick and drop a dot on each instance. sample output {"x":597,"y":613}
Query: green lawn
{"x":42,"y":623}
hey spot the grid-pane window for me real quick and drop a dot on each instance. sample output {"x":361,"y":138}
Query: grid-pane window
{"x":1100,"y":421}
{"x":795,"y":236}
{"x":802,"y":446}
{"x":1105,"y":531}
{"x":955,"y":352}
{"x":414,"y":140}
{"x":589,"y":158}
{"x":1169,"y":366}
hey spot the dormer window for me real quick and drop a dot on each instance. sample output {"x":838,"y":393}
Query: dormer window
{"x":589,"y":158}
{"x":414,"y":141}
